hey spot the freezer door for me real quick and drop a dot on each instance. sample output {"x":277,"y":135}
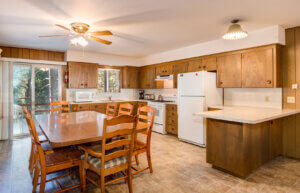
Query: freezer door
{"x":191,"y":84}
{"x":190,"y":127}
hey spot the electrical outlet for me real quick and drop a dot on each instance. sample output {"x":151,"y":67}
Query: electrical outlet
{"x":267,"y":99}
{"x":290,"y":99}
{"x":295,"y":86}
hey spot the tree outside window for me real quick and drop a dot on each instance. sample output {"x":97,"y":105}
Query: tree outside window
{"x":108,"y":80}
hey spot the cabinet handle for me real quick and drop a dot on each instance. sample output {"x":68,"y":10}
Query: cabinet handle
{"x":204,"y":67}
{"x":221,"y":82}
{"x":269,"y":81}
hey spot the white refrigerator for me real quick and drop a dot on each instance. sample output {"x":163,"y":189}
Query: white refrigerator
{"x":196,"y":91}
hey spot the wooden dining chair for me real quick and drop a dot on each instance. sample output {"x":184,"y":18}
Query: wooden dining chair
{"x":60,"y":106}
{"x":145,"y":115}
{"x":44,"y":143}
{"x":125,"y":109}
{"x":111,"y":109}
{"x":52,"y":162}
{"x":113,"y":156}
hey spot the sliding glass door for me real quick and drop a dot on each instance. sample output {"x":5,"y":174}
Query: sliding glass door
{"x":34,"y":86}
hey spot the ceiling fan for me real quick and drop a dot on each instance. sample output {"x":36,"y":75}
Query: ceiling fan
{"x":80,"y":31}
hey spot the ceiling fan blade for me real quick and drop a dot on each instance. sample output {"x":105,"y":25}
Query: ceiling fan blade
{"x":99,"y":40}
{"x":100,"y":33}
{"x":63,"y":27}
{"x":54,"y":36}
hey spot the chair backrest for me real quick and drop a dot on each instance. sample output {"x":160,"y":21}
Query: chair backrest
{"x":111,"y":109}
{"x":125,"y":109}
{"x":35,"y":139}
{"x":146,"y":114}
{"x":112,"y":129}
{"x":60,"y":106}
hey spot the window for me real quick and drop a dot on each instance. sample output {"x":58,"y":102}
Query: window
{"x":108,"y":80}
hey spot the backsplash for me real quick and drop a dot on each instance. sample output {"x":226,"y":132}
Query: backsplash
{"x":168,"y":94}
{"x":253,"y":97}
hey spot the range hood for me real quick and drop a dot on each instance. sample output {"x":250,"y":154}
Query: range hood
{"x":164,"y":77}
{"x":164,"y":81}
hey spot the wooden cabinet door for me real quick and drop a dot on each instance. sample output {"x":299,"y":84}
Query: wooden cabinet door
{"x":75,"y":74}
{"x":180,"y":67}
{"x":91,"y":75}
{"x":130,"y":77}
{"x":209,"y":63}
{"x":257,"y":68}
{"x":229,"y":73}
{"x":143,"y":77}
{"x":164,"y":69}
{"x":151,"y":77}
{"x":195,"y":65}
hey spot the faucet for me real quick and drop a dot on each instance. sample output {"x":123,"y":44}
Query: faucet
{"x":109,"y":97}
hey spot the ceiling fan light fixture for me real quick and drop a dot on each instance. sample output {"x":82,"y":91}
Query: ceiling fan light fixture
{"x":79,"y":41}
{"x":235,"y":31}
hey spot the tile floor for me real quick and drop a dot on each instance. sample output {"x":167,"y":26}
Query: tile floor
{"x":178,"y":167}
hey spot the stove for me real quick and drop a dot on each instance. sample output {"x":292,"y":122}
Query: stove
{"x":160,"y":116}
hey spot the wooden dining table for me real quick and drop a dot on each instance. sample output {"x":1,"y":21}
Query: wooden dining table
{"x":65,"y":129}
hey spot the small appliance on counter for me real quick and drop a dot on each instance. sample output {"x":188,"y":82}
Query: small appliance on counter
{"x":141,"y":94}
{"x":149,"y":96}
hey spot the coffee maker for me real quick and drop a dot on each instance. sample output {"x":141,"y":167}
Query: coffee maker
{"x":142,"y":94}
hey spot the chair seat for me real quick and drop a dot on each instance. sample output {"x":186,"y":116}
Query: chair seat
{"x":63,"y":156}
{"x":46,"y":146}
{"x":140,"y":145}
{"x":96,"y":161}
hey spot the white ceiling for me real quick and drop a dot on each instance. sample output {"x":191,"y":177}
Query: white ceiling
{"x":140,"y":27}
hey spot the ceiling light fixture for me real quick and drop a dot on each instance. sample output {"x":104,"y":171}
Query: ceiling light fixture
{"x":79,"y":41}
{"x":235,"y":31}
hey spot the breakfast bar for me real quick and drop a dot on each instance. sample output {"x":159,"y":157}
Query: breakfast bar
{"x":241,"y":139}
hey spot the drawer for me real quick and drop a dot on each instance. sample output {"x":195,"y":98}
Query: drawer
{"x":172,"y":129}
{"x":83,"y":107}
{"x":74,"y":108}
{"x":171,"y":114}
{"x":170,"y":107}
{"x":172,"y":120}
{"x":98,"y":106}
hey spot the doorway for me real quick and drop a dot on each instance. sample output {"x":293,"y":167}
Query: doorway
{"x":34,"y":86}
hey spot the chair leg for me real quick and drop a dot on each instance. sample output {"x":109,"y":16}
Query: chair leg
{"x":129,"y":180}
{"x":149,"y":161}
{"x":137,"y":159}
{"x":102,"y":183}
{"x":31,"y":160}
{"x":35,"y":178}
{"x":43,"y":182}
{"x":82,"y":173}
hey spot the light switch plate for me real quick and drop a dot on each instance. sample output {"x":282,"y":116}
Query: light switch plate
{"x":290,"y":99}
{"x":295,"y":86}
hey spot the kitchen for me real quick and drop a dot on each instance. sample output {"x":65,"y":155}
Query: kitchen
{"x":226,"y":111}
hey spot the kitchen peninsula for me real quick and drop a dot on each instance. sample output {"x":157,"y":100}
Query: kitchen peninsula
{"x":241,"y":139}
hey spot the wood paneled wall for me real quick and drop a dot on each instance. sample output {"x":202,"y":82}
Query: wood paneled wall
{"x":291,"y":75}
{"x":33,"y":54}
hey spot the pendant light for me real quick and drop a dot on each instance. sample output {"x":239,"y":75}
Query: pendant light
{"x":235,"y":31}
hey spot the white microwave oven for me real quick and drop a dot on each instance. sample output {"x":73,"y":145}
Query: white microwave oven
{"x":83,"y":96}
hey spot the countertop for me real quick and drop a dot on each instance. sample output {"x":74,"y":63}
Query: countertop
{"x":250,"y":115}
{"x":116,"y":100}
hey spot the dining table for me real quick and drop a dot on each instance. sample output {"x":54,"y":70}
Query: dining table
{"x":74,"y":128}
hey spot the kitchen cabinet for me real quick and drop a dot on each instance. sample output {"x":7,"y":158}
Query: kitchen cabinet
{"x":178,"y":67}
{"x":164,"y":69}
{"x":147,"y":77}
{"x":80,"y":107}
{"x":83,"y":75}
{"x":229,"y":73}
{"x":209,"y":63}
{"x":195,"y":65}
{"x":130,"y":77}
{"x":171,"y":119}
{"x":257,"y":68}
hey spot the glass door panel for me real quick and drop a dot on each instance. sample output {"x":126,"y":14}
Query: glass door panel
{"x":46,"y":88}
{"x":22,"y":92}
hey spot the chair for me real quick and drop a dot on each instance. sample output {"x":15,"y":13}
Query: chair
{"x":125,"y":109}
{"x":145,"y":115}
{"x":44,"y":143}
{"x":116,"y":155}
{"x":111,"y":109}
{"x":60,"y":106}
{"x":52,"y":162}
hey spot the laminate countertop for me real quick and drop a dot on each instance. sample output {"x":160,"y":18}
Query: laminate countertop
{"x":250,"y":115}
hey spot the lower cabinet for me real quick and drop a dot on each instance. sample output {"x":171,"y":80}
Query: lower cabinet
{"x":171,"y":119}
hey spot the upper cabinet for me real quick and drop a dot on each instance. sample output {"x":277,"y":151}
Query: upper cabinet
{"x":178,"y":67}
{"x":83,"y":75}
{"x":250,"y":68}
{"x":195,"y":65}
{"x":209,"y":63}
{"x":130,"y":77}
{"x":147,"y":77}
{"x":229,"y":71}
{"x":164,"y":69}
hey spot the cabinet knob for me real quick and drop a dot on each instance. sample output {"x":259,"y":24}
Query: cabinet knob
{"x":204,"y":67}
{"x":221,"y":82}
{"x":269,"y":81}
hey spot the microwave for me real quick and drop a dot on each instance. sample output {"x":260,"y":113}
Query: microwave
{"x":83,"y":96}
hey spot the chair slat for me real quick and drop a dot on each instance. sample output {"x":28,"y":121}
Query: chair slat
{"x":118,"y":143}
{"x":116,"y":154}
